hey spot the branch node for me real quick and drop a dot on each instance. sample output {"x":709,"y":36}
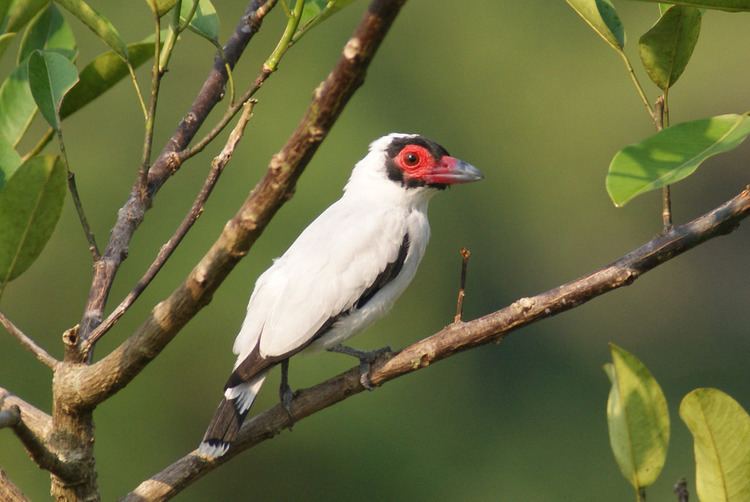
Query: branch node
{"x":70,"y":336}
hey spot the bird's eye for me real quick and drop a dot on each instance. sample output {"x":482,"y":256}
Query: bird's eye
{"x":411,"y":159}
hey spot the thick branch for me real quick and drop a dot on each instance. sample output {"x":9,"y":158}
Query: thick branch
{"x":132,"y":213}
{"x":32,"y":428}
{"x":9,"y":491}
{"x":455,"y":338}
{"x":27,"y":343}
{"x":97,"y":382}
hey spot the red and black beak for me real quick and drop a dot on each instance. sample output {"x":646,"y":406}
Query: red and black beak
{"x":451,"y":171}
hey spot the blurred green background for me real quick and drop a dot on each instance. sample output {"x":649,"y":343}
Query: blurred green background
{"x":526,"y":92}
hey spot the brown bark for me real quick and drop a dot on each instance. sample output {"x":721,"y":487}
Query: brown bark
{"x":455,"y":338}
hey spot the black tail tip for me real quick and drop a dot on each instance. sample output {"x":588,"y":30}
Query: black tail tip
{"x":213,"y":448}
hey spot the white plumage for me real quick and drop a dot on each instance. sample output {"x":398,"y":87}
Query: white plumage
{"x":343,"y":272}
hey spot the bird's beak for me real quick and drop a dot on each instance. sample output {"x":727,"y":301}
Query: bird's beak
{"x":451,"y":171}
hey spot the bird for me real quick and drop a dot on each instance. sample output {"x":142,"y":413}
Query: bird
{"x":342,"y":273}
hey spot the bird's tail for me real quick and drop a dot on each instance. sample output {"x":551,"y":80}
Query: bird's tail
{"x":229,"y":416}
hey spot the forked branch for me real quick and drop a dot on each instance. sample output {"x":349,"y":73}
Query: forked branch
{"x":97,"y":382}
{"x":455,"y":338}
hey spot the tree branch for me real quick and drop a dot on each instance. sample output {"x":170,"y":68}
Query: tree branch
{"x":9,"y":491}
{"x":97,"y":382}
{"x":29,"y":344}
{"x":33,"y":427}
{"x":131,"y":214}
{"x":455,"y":338}
{"x":217,"y":167}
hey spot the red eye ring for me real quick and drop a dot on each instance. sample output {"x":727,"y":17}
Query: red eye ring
{"x":413,"y":159}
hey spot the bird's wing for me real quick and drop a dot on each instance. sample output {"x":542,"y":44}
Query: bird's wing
{"x":323,"y":274}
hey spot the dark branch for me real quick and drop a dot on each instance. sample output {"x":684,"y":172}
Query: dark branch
{"x":27,"y":343}
{"x":217,"y":167}
{"x":455,"y":338}
{"x":99,"y":381}
{"x":132,"y":213}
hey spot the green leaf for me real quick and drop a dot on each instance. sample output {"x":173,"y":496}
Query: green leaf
{"x":97,"y":23}
{"x":672,"y":155}
{"x":316,"y":11}
{"x":663,"y":8}
{"x":48,"y":31}
{"x":638,"y":419}
{"x":5,"y":40}
{"x":21,"y":11}
{"x":666,"y":48}
{"x":51,"y":76}
{"x":162,"y":6}
{"x":30,"y":205}
{"x":205,"y":21}
{"x":727,"y":5}
{"x":721,"y":441}
{"x":17,"y":106}
{"x":102,"y":74}
{"x":602,"y":17}
{"x":9,"y":162}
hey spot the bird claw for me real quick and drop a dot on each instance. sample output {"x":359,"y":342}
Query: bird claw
{"x":366,"y":358}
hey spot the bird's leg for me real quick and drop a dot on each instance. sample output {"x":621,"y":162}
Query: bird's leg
{"x":285,"y":391}
{"x":366,"y":358}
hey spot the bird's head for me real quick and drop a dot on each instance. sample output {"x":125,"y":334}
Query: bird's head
{"x":414,"y":164}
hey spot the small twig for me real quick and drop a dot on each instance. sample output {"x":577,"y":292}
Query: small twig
{"x":217,"y":167}
{"x":638,"y":87}
{"x":148,"y":141}
{"x":9,"y":492}
{"x":465,"y":255}
{"x":680,"y":489}
{"x":661,"y":121}
{"x":37,"y":149}
{"x":272,"y":63}
{"x":132,"y":212}
{"x":29,"y":344}
{"x":73,"y":188}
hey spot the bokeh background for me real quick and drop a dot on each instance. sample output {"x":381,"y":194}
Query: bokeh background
{"x":526,"y":92}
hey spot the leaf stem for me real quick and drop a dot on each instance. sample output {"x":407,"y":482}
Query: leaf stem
{"x":174,"y":30}
{"x":156,"y":75}
{"x":134,"y":80}
{"x":44,"y":141}
{"x":661,"y":120}
{"x":638,"y":87}
{"x":73,"y":188}
{"x":272,"y":63}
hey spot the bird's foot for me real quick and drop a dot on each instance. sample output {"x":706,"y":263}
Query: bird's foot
{"x":366,"y":358}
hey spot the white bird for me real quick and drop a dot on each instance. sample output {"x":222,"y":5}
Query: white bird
{"x":343,"y":272}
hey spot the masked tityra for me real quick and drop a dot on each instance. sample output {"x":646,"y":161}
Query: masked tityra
{"x":342,"y":273}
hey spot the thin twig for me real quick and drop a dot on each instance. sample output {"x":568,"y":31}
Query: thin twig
{"x":9,"y":492}
{"x":465,"y":255}
{"x":29,"y":344}
{"x":73,"y":188}
{"x":131,"y":214}
{"x":148,"y":141}
{"x":660,"y":120}
{"x":37,"y":149}
{"x":217,"y":167}
{"x":453,"y":339}
{"x":681,"y":490}
{"x":637,"y":84}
